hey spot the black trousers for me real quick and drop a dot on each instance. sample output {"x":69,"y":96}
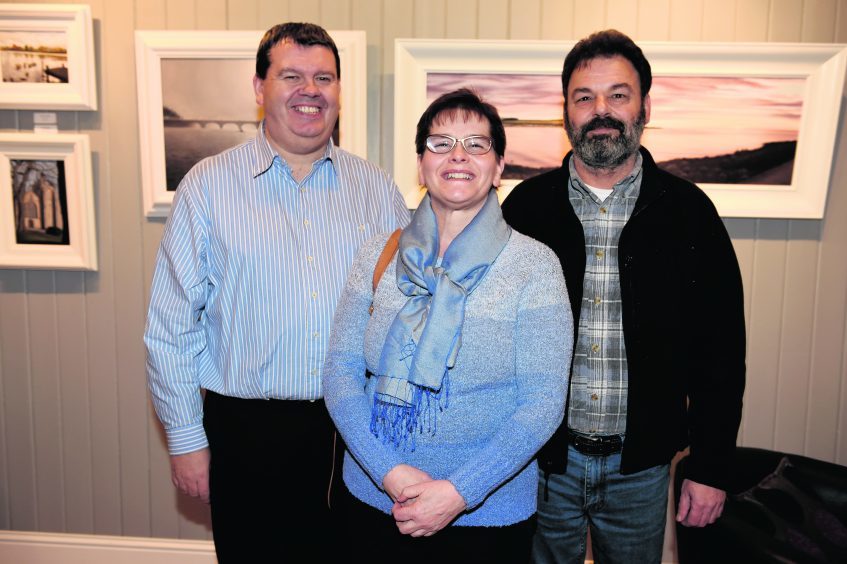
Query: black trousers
{"x":270,"y":479}
{"x":371,"y":536}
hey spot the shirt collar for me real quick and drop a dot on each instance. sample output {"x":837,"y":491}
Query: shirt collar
{"x":265,"y":153}
{"x":625,"y":185}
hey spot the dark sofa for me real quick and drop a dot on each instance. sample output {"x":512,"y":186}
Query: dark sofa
{"x":780,"y":508}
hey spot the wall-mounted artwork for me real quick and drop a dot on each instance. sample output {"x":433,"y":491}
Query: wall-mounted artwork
{"x":196,"y":99}
{"x":47,"y":57}
{"x":751,"y":124}
{"x":199,"y":122}
{"x":40,"y":202}
{"x":46,"y":202}
{"x":752,"y":141}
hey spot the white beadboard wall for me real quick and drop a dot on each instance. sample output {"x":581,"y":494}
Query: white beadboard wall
{"x":80,"y":448}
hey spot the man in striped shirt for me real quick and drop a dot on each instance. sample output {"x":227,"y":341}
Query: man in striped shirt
{"x":656,"y":297}
{"x":252,"y":261}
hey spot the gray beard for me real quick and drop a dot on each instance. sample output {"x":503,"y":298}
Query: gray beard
{"x":606,"y":151}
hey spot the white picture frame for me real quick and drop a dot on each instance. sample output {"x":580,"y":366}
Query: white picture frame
{"x":154,"y":47}
{"x":822,"y":66}
{"x":71,"y":23}
{"x":73,"y":193}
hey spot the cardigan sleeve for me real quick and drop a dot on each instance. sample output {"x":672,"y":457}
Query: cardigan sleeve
{"x":543,"y":344}
{"x":344,"y":372}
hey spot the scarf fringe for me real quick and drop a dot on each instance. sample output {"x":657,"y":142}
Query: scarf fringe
{"x":399,"y":424}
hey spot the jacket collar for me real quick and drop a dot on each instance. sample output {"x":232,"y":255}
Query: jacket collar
{"x":652,"y":187}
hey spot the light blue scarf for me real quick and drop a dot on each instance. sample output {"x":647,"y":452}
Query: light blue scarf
{"x":425,"y":336}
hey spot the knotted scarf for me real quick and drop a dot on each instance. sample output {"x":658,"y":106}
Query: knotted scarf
{"x":425,"y":336}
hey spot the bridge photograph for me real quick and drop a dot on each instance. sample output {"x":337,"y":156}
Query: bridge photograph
{"x":209,"y":106}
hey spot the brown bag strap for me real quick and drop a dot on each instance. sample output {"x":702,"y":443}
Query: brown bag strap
{"x":385,"y":258}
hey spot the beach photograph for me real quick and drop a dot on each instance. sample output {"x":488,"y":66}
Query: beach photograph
{"x":530,"y":106}
{"x":33,"y":56}
{"x":723,"y":130}
{"x":726,"y":130}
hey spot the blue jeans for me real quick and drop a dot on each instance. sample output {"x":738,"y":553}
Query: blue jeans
{"x":626,"y":514}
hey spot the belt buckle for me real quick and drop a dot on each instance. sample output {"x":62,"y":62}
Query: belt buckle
{"x":596,"y":446}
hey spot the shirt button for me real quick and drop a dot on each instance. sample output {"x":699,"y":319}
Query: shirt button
{"x":314,"y":294}
{"x":595,"y":347}
{"x":603,"y":210}
{"x":594,"y":397}
{"x":306,"y":222}
{"x":310,"y":258}
{"x":314,"y":371}
{"x":597,"y":300}
{"x":302,"y":189}
{"x":361,"y":227}
{"x":316,"y":334}
{"x":600,"y":254}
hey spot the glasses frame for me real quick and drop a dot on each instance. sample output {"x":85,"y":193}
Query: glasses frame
{"x":457,"y":140}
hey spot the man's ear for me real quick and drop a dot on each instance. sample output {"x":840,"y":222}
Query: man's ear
{"x":647,"y":105}
{"x":258,"y":88}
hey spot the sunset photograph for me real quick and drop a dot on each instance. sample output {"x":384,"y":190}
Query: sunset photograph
{"x":723,"y":130}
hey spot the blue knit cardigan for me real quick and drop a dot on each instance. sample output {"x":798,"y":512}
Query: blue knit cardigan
{"x":507,"y":389}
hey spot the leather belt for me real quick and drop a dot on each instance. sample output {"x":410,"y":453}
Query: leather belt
{"x":595,"y":445}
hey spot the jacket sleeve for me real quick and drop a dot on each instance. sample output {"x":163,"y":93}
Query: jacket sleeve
{"x":717,"y":374}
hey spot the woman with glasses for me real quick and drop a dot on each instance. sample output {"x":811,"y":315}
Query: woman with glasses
{"x":447,"y":388}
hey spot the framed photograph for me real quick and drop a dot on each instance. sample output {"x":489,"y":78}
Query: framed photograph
{"x":754,"y":125}
{"x":47,"y":57}
{"x":196,"y":99}
{"x":46,"y":202}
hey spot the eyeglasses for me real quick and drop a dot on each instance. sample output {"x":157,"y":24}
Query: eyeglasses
{"x":473,"y":144}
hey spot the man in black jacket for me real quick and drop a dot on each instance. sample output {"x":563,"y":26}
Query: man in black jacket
{"x":655,"y":289}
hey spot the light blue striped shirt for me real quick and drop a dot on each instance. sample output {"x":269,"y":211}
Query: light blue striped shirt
{"x":248,"y":274}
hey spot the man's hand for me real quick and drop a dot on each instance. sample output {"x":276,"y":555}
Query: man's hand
{"x":699,"y":504}
{"x":190,"y":473}
{"x":433,"y":506}
{"x":401,"y":477}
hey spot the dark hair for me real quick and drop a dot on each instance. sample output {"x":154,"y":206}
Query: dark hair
{"x":466,"y":101}
{"x":303,"y":34}
{"x":606,"y":44}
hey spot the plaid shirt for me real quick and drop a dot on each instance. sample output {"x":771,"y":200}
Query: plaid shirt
{"x":598,"y":384}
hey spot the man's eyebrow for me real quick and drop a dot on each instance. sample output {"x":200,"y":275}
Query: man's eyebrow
{"x":582,"y":90}
{"x":300,"y":71}
{"x":588,"y":90}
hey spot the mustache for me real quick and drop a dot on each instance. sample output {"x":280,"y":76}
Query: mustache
{"x":603,"y":123}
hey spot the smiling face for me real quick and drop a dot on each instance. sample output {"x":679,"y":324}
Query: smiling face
{"x":300,"y":95}
{"x":456,"y":180}
{"x":604,"y":112}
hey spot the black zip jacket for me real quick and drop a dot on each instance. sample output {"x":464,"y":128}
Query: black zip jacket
{"x":683,"y":318}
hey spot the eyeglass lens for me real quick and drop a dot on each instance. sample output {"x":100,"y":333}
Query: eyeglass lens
{"x":473,"y":144}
